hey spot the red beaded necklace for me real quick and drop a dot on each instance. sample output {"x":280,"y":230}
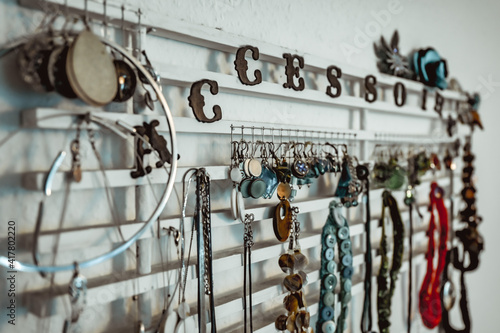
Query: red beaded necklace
{"x":430,"y":301}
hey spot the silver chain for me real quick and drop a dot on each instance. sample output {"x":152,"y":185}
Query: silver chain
{"x":354,"y":185}
{"x":205,"y":210}
{"x":248,"y":237}
{"x":183,"y":272}
{"x":76,"y":163}
{"x":296,"y":225}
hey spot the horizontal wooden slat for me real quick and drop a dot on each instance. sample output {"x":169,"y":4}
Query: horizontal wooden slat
{"x":223,"y":41}
{"x":126,"y":285}
{"x":184,"y":77}
{"x":49,"y":118}
{"x":116,"y":178}
{"x":122,"y":286}
{"x":264,"y":322}
{"x":71,"y":237}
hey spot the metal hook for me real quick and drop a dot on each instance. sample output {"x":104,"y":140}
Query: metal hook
{"x":254,"y":148}
{"x":86,"y":13}
{"x":344,"y":151}
{"x":66,"y":8}
{"x":77,"y":268}
{"x":173,"y":231}
{"x":139,"y":32}
{"x":105,"y":19}
{"x":333,"y":146}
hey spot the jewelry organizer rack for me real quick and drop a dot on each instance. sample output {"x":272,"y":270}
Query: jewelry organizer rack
{"x":353,"y":128}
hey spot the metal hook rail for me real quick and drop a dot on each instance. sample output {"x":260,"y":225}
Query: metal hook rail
{"x":296,"y":133}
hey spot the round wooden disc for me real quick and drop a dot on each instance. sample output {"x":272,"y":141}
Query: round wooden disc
{"x":246,"y":164}
{"x":284,"y":191}
{"x":282,"y":225}
{"x":91,"y":71}
{"x":293,"y":282}
{"x":254,"y":168}
{"x":286,"y":262}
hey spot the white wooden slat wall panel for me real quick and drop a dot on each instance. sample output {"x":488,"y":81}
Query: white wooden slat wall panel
{"x":185,"y":53}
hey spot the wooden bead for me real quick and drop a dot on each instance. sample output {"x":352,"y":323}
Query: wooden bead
{"x":287,"y":263}
{"x":301,"y":260}
{"x":284,"y":190}
{"x":280,"y":322}
{"x":293,"y":282}
{"x":302,"y":320}
{"x":291,"y":303}
{"x":290,"y":322}
{"x":303,"y":275}
{"x":301,"y":299}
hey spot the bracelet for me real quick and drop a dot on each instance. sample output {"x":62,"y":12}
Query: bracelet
{"x":335,"y":232}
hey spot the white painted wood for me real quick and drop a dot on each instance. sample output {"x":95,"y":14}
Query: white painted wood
{"x":149,"y":279}
{"x":116,"y":178}
{"x":184,"y":77}
{"x":223,"y":41}
{"x":43,"y":118}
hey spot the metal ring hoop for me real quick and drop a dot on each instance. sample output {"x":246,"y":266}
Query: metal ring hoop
{"x":26,"y":267}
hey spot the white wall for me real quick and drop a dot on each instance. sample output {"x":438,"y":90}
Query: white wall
{"x":464,"y":32}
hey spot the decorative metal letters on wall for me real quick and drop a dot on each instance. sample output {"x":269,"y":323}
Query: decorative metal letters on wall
{"x":294,"y":63}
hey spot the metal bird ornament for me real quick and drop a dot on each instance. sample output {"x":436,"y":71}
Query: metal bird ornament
{"x":390,"y":59}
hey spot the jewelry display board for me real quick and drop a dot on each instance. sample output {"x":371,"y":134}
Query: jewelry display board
{"x":135,"y":286}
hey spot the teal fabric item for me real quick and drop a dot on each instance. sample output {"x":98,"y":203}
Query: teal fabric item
{"x":430,"y":68}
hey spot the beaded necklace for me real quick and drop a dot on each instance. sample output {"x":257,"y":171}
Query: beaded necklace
{"x":335,"y":232}
{"x":385,"y":291}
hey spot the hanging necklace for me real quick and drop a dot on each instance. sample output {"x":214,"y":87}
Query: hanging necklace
{"x":385,"y":291}
{"x":430,"y":302}
{"x":472,"y":243}
{"x":186,"y":323}
{"x":452,"y":256}
{"x":204,"y":242}
{"x":293,"y":262}
{"x":366,"y":317}
{"x":335,"y":232}
{"x":247,"y":270}
{"x":409,"y":200}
